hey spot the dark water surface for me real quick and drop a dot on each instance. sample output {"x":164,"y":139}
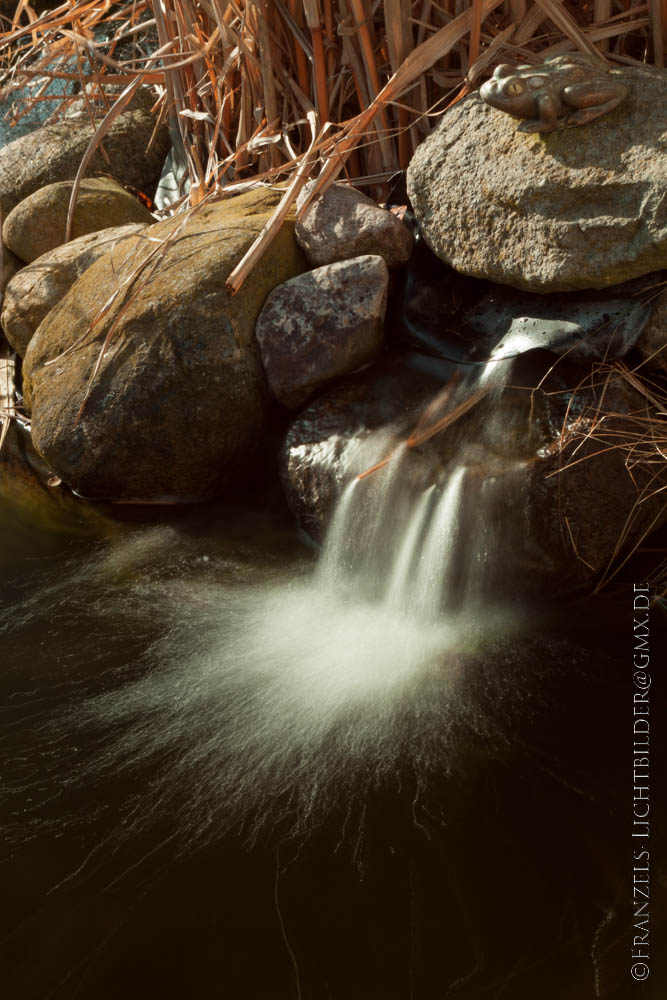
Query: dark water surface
{"x":466,"y":844}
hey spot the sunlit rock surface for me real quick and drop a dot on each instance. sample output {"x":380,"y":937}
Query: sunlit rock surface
{"x":584,"y":207}
{"x":54,"y":152}
{"x":38,"y":223}
{"x":179,"y":400}
{"x":32,"y":293}
{"x":321,"y":325}
{"x":344,"y":223}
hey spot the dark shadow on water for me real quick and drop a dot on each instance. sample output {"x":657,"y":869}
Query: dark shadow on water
{"x":497,"y":863}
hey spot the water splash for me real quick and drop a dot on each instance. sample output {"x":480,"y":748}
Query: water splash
{"x":277,"y":702}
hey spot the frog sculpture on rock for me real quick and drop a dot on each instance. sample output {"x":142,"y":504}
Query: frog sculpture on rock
{"x":563,"y":91}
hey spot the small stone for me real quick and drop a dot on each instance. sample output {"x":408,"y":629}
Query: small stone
{"x":36,"y":289}
{"x":321,"y":325}
{"x":37,"y":224}
{"x":344,"y":223}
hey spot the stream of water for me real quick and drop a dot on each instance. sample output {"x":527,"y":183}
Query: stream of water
{"x":229,"y":771}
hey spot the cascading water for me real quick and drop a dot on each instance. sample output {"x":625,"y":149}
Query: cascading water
{"x":263,"y":701}
{"x":392,"y":752}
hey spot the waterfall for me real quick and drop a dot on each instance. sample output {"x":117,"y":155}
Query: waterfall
{"x":417,"y":550}
{"x":277,"y":700}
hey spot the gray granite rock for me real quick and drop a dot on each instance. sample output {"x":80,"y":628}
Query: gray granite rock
{"x":36,"y":289}
{"x":584,"y":207}
{"x":321,"y":325}
{"x":344,"y":223}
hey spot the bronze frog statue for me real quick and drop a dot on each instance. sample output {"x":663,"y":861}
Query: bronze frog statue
{"x":563,"y":91}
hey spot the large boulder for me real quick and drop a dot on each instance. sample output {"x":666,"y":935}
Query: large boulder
{"x":321,"y":325}
{"x":544,"y":503}
{"x":35,"y":289}
{"x":179,"y":400}
{"x":53,"y":153}
{"x":344,"y":223}
{"x":584,"y":207}
{"x":38,"y":223}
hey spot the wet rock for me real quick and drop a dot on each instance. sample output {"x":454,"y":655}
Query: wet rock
{"x":584,"y":207}
{"x":344,"y":223}
{"x":592,"y":325}
{"x":560,"y":520}
{"x":321,"y":325}
{"x":53,"y":153}
{"x":179,"y":401}
{"x":327,"y":443}
{"x":652,"y":344}
{"x":37,"y":224}
{"x":439,"y":312}
{"x":36,"y":289}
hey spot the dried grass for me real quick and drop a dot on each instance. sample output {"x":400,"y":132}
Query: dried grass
{"x":266,"y":91}
{"x":240,"y":80}
{"x":640,"y":438}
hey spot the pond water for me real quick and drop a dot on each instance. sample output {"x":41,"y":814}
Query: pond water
{"x":221,"y":777}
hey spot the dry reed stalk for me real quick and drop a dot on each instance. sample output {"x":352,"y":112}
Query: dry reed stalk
{"x":659,"y":30}
{"x":424,"y":430}
{"x":639,"y":437}
{"x":7,"y":406}
{"x":237,"y":78}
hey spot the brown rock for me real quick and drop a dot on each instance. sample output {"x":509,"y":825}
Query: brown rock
{"x":37,"y":224}
{"x":344,"y":223}
{"x":53,"y":153}
{"x":36,"y":289}
{"x":179,"y":401}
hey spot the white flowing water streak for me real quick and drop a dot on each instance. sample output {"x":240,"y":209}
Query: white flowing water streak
{"x":283,"y":700}
{"x":436,"y":561}
{"x":407,"y":557}
{"x":494,"y":375}
{"x":399,"y":591}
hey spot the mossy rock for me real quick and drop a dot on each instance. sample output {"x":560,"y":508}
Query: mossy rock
{"x":54,"y":152}
{"x":38,"y":223}
{"x":179,"y":402}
